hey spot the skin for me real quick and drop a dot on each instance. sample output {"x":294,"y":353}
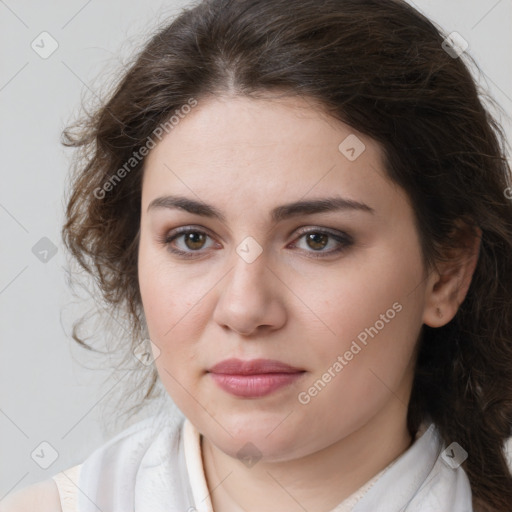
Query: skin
{"x":245,"y":157}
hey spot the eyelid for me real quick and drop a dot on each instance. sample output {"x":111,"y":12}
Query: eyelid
{"x":329,"y":231}
{"x":173,"y":234}
{"x":344,"y":240}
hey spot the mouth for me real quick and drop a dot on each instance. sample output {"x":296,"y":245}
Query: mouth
{"x":255,"y":378}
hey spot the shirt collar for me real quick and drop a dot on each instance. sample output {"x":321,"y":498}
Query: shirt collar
{"x":195,"y":469}
{"x":409,"y":478}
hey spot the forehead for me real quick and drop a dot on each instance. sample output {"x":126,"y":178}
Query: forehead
{"x":247,"y":152}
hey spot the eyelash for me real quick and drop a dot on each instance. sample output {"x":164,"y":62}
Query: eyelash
{"x":344,"y":239}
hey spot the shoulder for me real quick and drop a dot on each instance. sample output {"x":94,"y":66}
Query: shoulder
{"x":137,"y":438}
{"x":39,"y":497}
{"x":124,"y":452}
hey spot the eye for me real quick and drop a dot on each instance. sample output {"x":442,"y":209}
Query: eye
{"x":192,"y":241}
{"x":316,"y":240}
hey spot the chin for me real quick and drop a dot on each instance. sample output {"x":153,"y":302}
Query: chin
{"x":264,"y":433}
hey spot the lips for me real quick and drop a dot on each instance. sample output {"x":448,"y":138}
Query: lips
{"x":252,"y":367}
{"x":254,"y":378}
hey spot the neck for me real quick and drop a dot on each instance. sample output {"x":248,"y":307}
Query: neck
{"x":318,"y":481}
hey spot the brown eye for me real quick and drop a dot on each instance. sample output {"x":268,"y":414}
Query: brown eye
{"x":317,"y":241}
{"x":194,"y":240}
{"x":192,"y":243}
{"x":321,"y":243}
{"x":188,"y":242}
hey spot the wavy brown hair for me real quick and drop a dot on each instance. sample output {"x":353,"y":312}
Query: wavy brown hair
{"x":380,"y":67}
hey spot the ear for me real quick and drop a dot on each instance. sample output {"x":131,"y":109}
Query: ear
{"x":448,"y":283}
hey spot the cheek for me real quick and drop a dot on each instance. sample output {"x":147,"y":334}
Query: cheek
{"x":174,"y":303}
{"x":375,"y":313}
{"x":353,"y":381}
{"x":168,"y":297}
{"x":371,"y":298}
{"x":168,"y":317}
{"x":165,"y":303}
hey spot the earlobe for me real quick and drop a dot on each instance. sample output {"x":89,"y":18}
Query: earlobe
{"x":448,"y":284}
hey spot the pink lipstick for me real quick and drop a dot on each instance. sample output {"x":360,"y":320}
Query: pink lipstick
{"x":254,"y":378}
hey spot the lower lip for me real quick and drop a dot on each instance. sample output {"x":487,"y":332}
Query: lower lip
{"x":254,"y":386}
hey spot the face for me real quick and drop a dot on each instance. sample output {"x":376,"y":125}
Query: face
{"x":290,"y":327}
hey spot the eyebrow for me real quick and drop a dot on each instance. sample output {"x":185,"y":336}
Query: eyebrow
{"x":278,"y":214}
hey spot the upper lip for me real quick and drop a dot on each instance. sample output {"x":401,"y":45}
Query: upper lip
{"x":252,"y":367}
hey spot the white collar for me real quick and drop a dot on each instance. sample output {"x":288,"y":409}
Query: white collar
{"x":199,"y":487}
{"x":145,"y":469}
{"x":195,"y":468}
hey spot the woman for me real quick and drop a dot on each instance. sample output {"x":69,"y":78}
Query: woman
{"x":303,"y":205}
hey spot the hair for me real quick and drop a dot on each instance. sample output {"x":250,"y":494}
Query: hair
{"x":381,"y":67}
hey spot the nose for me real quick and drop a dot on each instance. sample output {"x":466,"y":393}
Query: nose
{"x":251,"y":298}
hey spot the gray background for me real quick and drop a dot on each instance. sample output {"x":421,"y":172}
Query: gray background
{"x":51,"y":391}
